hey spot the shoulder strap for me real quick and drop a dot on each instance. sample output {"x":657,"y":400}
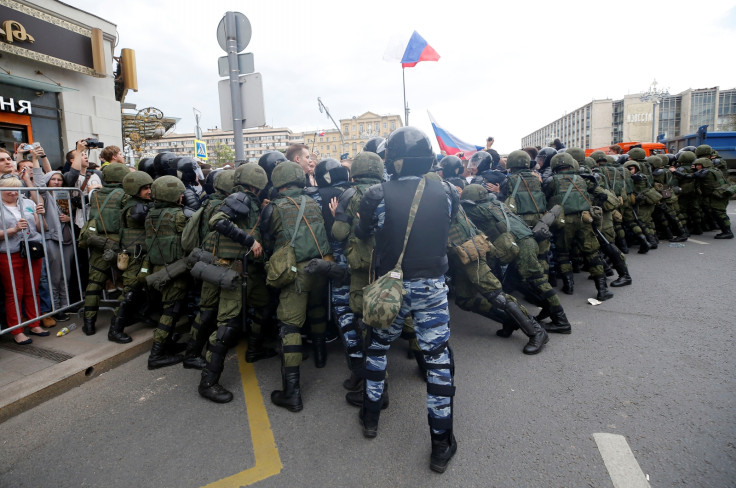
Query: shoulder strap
{"x":516,"y":186}
{"x":302,"y":205}
{"x":569,"y":189}
{"x":412,"y":215}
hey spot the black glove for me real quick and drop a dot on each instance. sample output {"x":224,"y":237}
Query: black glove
{"x":641,"y":198}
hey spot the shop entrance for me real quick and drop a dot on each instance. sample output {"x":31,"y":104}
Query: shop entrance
{"x":12,"y":135}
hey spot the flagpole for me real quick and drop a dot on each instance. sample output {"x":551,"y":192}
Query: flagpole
{"x":406,"y":107}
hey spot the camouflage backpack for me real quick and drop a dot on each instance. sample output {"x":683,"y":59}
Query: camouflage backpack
{"x":382,"y":299}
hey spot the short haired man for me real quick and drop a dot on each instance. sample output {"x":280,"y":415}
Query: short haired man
{"x":299,"y":153}
{"x":111,"y":154}
{"x":7,"y":163}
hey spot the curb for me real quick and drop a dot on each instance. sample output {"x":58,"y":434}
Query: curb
{"x":32,"y":391}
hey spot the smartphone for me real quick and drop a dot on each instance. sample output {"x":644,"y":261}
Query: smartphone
{"x":26,"y":147}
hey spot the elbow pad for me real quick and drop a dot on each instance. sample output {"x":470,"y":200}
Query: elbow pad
{"x":227,"y":229}
{"x":368,"y":204}
{"x":236,"y":206}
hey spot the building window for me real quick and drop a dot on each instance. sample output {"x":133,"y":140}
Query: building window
{"x":393,"y":125}
{"x":702,"y":109}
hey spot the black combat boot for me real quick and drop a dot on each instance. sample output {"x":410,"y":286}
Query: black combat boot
{"x":653,"y":241}
{"x":682,"y":233}
{"x":666,"y":233}
{"x":355,"y":382}
{"x":695,"y":228}
{"x":89,"y":326}
{"x":622,"y":245}
{"x":256,"y":350}
{"x":319,"y":346}
{"x":607,"y":269}
{"x":602,"y":287}
{"x":725,"y":230}
{"x":643,"y":243}
{"x":444,"y":447}
{"x":291,"y":396}
{"x":159,"y":359}
{"x":355,"y":398}
{"x":115,"y":333}
{"x":624,"y":278}
{"x":369,"y":414}
{"x":193,"y":353}
{"x":568,"y":283}
{"x":210,"y":389}
{"x":560,"y":324}
{"x":536,"y":334}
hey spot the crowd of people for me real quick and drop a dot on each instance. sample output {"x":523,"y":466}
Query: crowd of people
{"x":274,"y":250}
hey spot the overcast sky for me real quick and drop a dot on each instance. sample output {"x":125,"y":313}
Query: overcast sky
{"x":505,"y":69}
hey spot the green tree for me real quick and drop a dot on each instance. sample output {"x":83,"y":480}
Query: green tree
{"x":221,"y":154}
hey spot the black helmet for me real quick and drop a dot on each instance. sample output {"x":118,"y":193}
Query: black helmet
{"x":451,"y":166}
{"x":165,"y":164}
{"x":376,"y":145}
{"x":189,"y":169}
{"x":689,"y":148}
{"x":545,"y":156}
{"x":329,"y":172}
{"x":209,"y":183}
{"x":481,"y":160}
{"x":269,"y":160}
{"x":146,"y":164}
{"x":409,"y":152}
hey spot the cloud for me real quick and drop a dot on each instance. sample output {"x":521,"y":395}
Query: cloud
{"x":505,"y":69}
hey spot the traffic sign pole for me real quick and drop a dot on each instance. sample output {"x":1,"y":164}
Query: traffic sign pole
{"x":232,"y":59}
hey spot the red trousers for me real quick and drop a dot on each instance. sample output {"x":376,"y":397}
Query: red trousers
{"x":23,"y":289}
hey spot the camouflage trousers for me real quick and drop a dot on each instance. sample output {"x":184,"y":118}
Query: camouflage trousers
{"x":426,"y":302}
{"x":340,"y":302}
{"x":717,"y":208}
{"x":690,"y":207}
{"x":297,"y":301}
{"x":130,"y":280}
{"x":577,"y":232}
{"x":172,"y":302}
{"x":229,"y":308}
{"x":529,"y":274}
{"x":645,"y":213}
{"x":99,"y":272}
{"x":257,"y":297}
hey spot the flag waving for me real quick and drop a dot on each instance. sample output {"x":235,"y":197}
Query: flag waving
{"x":410,"y":51}
{"x":450,"y":144}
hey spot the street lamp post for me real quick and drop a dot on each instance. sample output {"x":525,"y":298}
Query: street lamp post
{"x":655,"y":97}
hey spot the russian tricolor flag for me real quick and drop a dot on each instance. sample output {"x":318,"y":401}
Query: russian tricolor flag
{"x":451,"y":144}
{"x":410,"y":51}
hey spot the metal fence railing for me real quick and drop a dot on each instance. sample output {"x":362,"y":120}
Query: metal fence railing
{"x":62,"y":197}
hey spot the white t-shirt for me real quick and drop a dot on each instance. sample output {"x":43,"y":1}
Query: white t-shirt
{"x":80,"y":219}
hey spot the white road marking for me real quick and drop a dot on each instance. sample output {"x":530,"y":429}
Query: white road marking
{"x":703,"y":243}
{"x":620,"y":461}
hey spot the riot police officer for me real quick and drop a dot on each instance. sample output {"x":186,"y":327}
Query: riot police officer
{"x":384,"y":212}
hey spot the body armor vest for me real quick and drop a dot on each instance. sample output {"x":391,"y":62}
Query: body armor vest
{"x":305,"y":246}
{"x":526,"y":190}
{"x":131,"y":231}
{"x":571,"y":192}
{"x":107,"y":214}
{"x":426,"y":250}
{"x":162,"y":238}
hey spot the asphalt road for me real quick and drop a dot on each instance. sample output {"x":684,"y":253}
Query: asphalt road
{"x":653,"y":365}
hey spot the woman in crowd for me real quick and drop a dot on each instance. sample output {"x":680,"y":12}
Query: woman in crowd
{"x":58,"y":238}
{"x":19,"y":223}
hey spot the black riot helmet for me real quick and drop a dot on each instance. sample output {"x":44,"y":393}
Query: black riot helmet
{"x":146,"y":165}
{"x":209,"y":183}
{"x":451,"y":166}
{"x":480,"y":160}
{"x":165,"y":164}
{"x":269,"y":160}
{"x":376,"y":145}
{"x":544,"y":157}
{"x":408,"y":152}
{"x":190,"y":170}
{"x":329,"y":172}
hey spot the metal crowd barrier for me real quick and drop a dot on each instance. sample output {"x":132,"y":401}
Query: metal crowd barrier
{"x":64,"y":193}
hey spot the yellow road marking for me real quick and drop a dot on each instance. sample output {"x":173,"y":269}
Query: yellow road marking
{"x":268,"y":462}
